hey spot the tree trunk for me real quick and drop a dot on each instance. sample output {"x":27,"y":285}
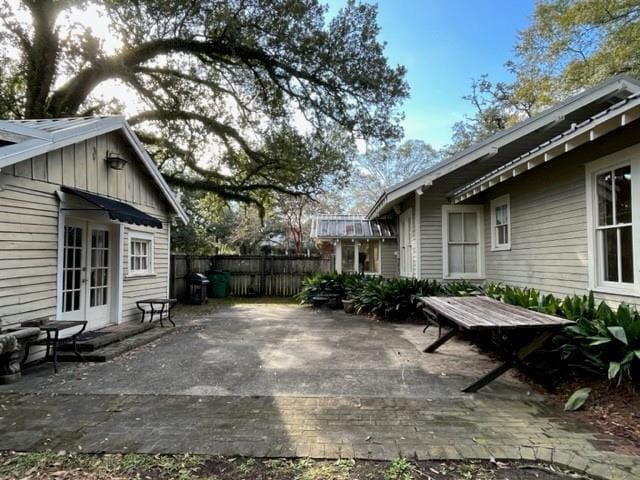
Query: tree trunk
{"x":42,"y":58}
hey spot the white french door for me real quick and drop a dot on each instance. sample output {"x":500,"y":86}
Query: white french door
{"x":87,"y":272}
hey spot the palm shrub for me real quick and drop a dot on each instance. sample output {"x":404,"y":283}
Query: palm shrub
{"x":322,"y":283}
{"x":392,"y":298}
{"x":457,"y":289}
{"x":603,"y":341}
{"x":528,"y":298}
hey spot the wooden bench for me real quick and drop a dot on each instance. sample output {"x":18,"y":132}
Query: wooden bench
{"x":488,"y":315}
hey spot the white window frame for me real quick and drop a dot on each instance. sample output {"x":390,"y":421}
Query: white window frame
{"x":138,"y":236}
{"x":446,"y":210}
{"x":378,"y":270}
{"x":628,"y":156}
{"x":498,"y":202}
{"x":406,"y":247}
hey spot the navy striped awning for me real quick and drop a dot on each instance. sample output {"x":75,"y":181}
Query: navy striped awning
{"x":116,"y":210}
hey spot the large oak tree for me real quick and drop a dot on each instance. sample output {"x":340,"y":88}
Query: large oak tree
{"x":237,"y":97}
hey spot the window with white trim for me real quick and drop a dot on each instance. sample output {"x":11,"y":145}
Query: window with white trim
{"x":501,"y":223}
{"x":614,"y":201}
{"x":406,"y":234}
{"x":140,"y":253}
{"x":462,"y":241}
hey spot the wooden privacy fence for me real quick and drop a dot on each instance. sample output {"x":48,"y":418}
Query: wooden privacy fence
{"x":278,"y":276}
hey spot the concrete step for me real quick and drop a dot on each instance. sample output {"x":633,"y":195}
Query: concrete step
{"x":94,"y":340}
{"x":114,"y":349}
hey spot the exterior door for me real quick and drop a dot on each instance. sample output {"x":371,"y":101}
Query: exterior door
{"x":87,"y":276}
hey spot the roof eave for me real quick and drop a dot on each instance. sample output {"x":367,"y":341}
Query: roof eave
{"x":490,"y":145}
{"x":596,"y":127}
{"x":38,"y":145}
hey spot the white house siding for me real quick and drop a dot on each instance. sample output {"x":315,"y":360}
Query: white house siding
{"x":431,"y":232}
{"x":153,"y":286}
{"x":548,"y":231}
{"x":29,"y":222}
{"x":409,"y":203}
{"x":549,"y":225}
{"x":389,"y":258}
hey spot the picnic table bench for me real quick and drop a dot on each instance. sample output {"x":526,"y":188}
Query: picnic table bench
{"x":488,"y":315}
{"x":53,"y":340}
{"x":150,"y":306}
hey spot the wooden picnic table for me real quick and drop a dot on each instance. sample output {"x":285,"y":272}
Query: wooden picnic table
{"x":481,"y":313}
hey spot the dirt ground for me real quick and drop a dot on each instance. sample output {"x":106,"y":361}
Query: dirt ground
{"x":63,"y":466}
{"x":612,"y":410}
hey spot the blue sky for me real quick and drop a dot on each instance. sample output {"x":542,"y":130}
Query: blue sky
{"x":444,"y":44}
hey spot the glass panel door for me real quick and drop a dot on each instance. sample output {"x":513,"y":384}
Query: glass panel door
{"x":72,"y":270}
{"x":99,"y":269}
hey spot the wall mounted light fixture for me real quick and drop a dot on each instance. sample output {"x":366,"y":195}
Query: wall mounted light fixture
{"x":115,"y":161}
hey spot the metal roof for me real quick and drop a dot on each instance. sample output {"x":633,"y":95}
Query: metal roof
{"x":351,"y":226}
{"x":486,"y":156}
{"x":23,"y":139}
{"x":627,"y":109}
{"x":120,"y":211}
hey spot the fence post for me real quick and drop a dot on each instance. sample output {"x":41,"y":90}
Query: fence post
{"x":263,"y":274}
{"x":172,"y":276}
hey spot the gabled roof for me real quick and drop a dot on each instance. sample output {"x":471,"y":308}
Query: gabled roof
{"x":508,"y":144}
{"x":351,"y":226}
{"x":23,"y":139}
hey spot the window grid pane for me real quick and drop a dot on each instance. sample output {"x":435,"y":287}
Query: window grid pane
{"x":614,"y":216}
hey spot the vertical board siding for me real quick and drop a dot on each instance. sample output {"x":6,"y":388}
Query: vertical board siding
{"x":277,"y":276}
{"x":29,"y":224}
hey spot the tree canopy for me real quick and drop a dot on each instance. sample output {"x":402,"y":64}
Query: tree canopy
{"x":572,"y":44}
{"x":569,"y":45}
{"x":238,"y":97}
{"x":384,"y":165}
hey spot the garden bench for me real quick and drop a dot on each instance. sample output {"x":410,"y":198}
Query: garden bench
{"x":488,"y":315}
{"x":53,"y":340}
{"x":332,"y":300}
{"x":157,"y":306}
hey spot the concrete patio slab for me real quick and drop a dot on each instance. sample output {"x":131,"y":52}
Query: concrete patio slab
{"x":291,"y":381}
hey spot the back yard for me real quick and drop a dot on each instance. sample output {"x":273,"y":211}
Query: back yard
{"x":280,"y":381}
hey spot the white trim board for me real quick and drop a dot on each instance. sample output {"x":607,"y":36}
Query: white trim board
{"x":479,"y":209}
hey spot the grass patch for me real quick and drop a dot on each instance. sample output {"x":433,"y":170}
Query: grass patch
{"x":400,"y":469}
{"x":214,"y":304}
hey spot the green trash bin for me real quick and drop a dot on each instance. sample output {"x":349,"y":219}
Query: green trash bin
{"x":219,"y":284}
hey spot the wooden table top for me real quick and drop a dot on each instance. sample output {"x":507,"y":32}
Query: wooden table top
{"x":485,"y":313}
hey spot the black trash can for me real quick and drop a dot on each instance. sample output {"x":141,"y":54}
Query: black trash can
{"x":197,"y":284}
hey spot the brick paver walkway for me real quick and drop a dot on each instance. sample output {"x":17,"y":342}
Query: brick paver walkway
{"x":72,"y":413}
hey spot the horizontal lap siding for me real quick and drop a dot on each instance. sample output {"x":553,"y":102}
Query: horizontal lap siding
{"x":548,"y":231}
{"x":29,"y":223}
{"x":549,"y":225}
{"x":28,"y":251}
{"x":431,"y":231}
{"x":139,"y":288}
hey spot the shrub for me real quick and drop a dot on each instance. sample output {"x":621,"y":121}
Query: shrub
{"x":389,"y":298}
{"x":602,"y":341}
{"x":322,"y":283}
